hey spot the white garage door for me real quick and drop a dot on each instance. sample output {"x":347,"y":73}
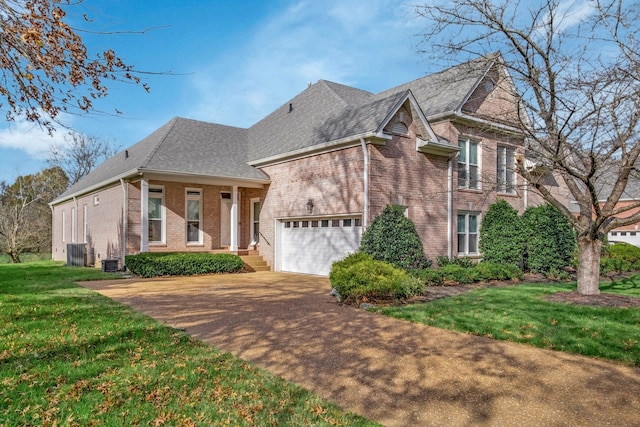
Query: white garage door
{"x":311,"y":246}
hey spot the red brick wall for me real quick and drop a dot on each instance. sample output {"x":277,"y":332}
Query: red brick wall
{"x":332,"y":180}
{"x":104,"y":220}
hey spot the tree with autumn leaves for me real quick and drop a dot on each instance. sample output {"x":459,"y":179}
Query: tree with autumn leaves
{"x":45,"y":66}
{"x":46,"y":69}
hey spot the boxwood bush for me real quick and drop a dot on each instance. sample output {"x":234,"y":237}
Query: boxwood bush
{"x":493,"y":271}
{"x":626,"y":252}
{"x":429,"y":276}
{"x":154,"y":264}
{"x":458,"y":274}
{"x":359,"y":278}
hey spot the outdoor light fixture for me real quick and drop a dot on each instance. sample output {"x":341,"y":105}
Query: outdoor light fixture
{"x":310,"y":206}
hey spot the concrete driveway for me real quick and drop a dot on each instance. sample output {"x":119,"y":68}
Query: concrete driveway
{"x":392,"y":371}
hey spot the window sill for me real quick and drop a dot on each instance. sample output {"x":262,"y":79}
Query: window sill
{"x":500,"y":193}
{"x":470,"y":190}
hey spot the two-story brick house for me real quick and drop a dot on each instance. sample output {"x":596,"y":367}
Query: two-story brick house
{"x":300,"y":185}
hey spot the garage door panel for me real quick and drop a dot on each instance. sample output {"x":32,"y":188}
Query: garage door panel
{"x":312,"y":250}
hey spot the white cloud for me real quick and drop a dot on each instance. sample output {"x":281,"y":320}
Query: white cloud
{"x":356,"y":42}
{"x":30,"y":138}
{"x":570,"y":13}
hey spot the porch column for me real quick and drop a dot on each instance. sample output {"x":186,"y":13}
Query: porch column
{"x":144,"y":215}
{"x":234,"y":219}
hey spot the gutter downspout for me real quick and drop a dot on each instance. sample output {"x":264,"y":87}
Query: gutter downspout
{"x":53,"y":237}
{"x":125,"y":215}
{"x":365,"y":179}
{"x":450,"y":206}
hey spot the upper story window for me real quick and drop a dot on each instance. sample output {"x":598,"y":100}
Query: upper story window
{"x":468,"y":164}
{"x":506,"y":178}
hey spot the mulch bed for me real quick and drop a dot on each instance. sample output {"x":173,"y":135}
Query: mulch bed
{"x":602,"y":300}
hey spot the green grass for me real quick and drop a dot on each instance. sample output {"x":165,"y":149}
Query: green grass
{"x":69,"y":356}
{"x":6,"y":259}
{"x":521,"y":314}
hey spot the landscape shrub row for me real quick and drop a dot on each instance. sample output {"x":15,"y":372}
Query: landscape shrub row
{"x":540,"y":241}
{"x":620,"y":258}
{"x":154,"y":264}
{"x":455,"y":272}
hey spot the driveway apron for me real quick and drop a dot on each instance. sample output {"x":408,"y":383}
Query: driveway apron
{"x":391,"y":371}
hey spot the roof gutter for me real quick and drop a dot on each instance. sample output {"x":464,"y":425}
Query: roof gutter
{"x":468,"y":118}
{"x":336,"y":144}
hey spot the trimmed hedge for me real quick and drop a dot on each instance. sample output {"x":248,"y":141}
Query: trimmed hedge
{"x":501,"y":234}
{"x":625,"y":251}
{"x":393,"y":238}
{"x":359,"y":278}
{"x":494,"y":271}
{"x":154,"y":264}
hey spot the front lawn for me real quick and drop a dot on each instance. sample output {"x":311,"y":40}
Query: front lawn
{"x":69,"y":356}
{"x":522,"y":314}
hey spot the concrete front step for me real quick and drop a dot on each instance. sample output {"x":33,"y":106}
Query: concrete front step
{"x":255,"y":263}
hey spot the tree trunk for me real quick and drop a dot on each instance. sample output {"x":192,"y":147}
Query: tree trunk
{"x":589,"y":265}
{"x":15,"y":257}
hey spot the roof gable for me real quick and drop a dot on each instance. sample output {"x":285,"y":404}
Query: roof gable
{"x":448,"y":90}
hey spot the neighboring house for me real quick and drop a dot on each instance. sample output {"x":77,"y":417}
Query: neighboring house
{"x":631,"y":200}
{"x":300,"y":185}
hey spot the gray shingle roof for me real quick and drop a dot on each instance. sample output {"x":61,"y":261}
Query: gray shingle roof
{"x":324,"y":112}
{"x":446,"y":91}
{"x":179,"y":146}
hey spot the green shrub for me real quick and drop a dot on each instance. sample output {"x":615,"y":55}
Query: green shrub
{"x":625,"y":251}
{"x":393,"y":238}
{"x":458,"y":274}
{"x":465,"y":261}
{"x":428,"y":276}
{"x":610,"y":265}
{"x":501,"y":234}
{"x":154,"y":264}
{"x":358,"y":278}
{"x":493,"y":271}
{"x":550,"y":240}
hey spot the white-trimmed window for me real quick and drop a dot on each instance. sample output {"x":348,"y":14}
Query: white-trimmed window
{"x":255,"y":221}
{"x":85,"y":223}
{"x":194,"y":215}
{"x":506,"y":178}
{"x":73,"y":225}
{"x":64,"y":227}
{"x":156,"y":215}
{"x":468,"y":233}
{"x":468,"y":164}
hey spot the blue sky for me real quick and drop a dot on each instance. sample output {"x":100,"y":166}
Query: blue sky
{"x":229,"y":62}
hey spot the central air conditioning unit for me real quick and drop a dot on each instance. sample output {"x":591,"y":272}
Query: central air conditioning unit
{"x":110,"y":265}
